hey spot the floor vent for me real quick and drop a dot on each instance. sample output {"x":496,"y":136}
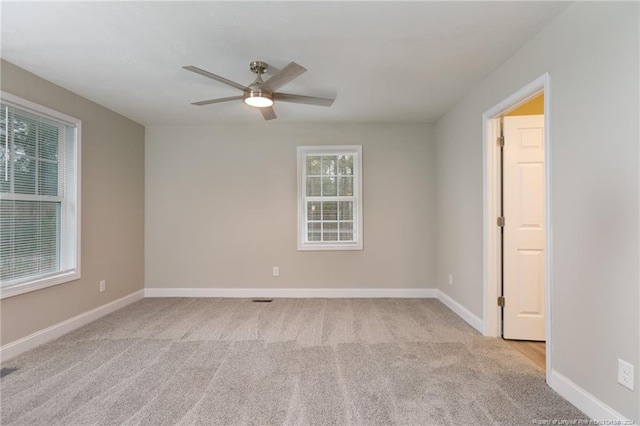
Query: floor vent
{"x":262,"y":300}
{"x":7,"y":371}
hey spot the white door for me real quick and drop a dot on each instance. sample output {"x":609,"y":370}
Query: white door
{"x":524,"y":228}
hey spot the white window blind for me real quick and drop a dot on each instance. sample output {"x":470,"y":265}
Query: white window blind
{"x":330,"y":202}
{"x":38,"y":199}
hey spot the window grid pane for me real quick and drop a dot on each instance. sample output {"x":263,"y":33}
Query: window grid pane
{"x":321,"y":215}
{"x":346,"y":231}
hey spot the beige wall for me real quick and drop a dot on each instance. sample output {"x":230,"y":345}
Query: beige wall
{"x":591,"y":52}
{"x":221,"y":207}
{"x":112,"y":211}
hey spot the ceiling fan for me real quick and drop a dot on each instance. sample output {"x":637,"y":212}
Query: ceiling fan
{"x":262,"y":94}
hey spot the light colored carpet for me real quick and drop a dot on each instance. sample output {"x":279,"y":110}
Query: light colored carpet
{"x":289,"y":362}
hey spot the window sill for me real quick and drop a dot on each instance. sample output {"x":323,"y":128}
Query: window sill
{"x":39,"y":283}
{"x":325,"y":247}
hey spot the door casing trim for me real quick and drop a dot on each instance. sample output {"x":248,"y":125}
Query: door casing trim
{"x":491,"y":209}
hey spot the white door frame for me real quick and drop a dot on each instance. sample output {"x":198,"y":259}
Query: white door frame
{"x":491,"y":200}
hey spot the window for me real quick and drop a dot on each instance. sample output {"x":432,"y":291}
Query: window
{"x":330,"y":197}
{"x":39,"y":197}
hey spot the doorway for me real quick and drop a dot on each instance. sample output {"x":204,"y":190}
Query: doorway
{"x":517,"y":225}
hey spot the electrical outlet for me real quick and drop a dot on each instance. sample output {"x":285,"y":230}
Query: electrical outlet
{"x":276,"y":271}
{"x":450,"y":279}
{"x":625,"y":374}
{"x":103,"y":286}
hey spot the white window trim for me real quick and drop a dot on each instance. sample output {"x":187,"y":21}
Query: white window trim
{"x":61,"y":277}
{"x":303,"y":151}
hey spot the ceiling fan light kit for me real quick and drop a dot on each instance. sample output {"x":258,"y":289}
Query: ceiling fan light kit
{"x":261,"y":94}
{"x":258,"y":99}
{"x":255,"y":96}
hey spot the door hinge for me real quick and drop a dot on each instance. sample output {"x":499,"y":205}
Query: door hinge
{"x":501,"y":301}
{"x":501,"y":141}
{"x":501,"y":221}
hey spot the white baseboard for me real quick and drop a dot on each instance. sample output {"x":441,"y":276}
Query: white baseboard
{"x":38,"y":338}
{"x":584,"y":401}
{"x":292,"y":292}
{"x":462,"y":312}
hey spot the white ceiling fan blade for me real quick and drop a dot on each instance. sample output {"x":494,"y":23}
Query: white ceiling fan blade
{"x":284,"y":76}
{"x":215,"y":77}
{"x":216,"y":101}
{"x":268,"y":113}
{"x":299,"y":99}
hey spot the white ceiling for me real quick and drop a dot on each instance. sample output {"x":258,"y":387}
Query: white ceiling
{"x":385,"y":61}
